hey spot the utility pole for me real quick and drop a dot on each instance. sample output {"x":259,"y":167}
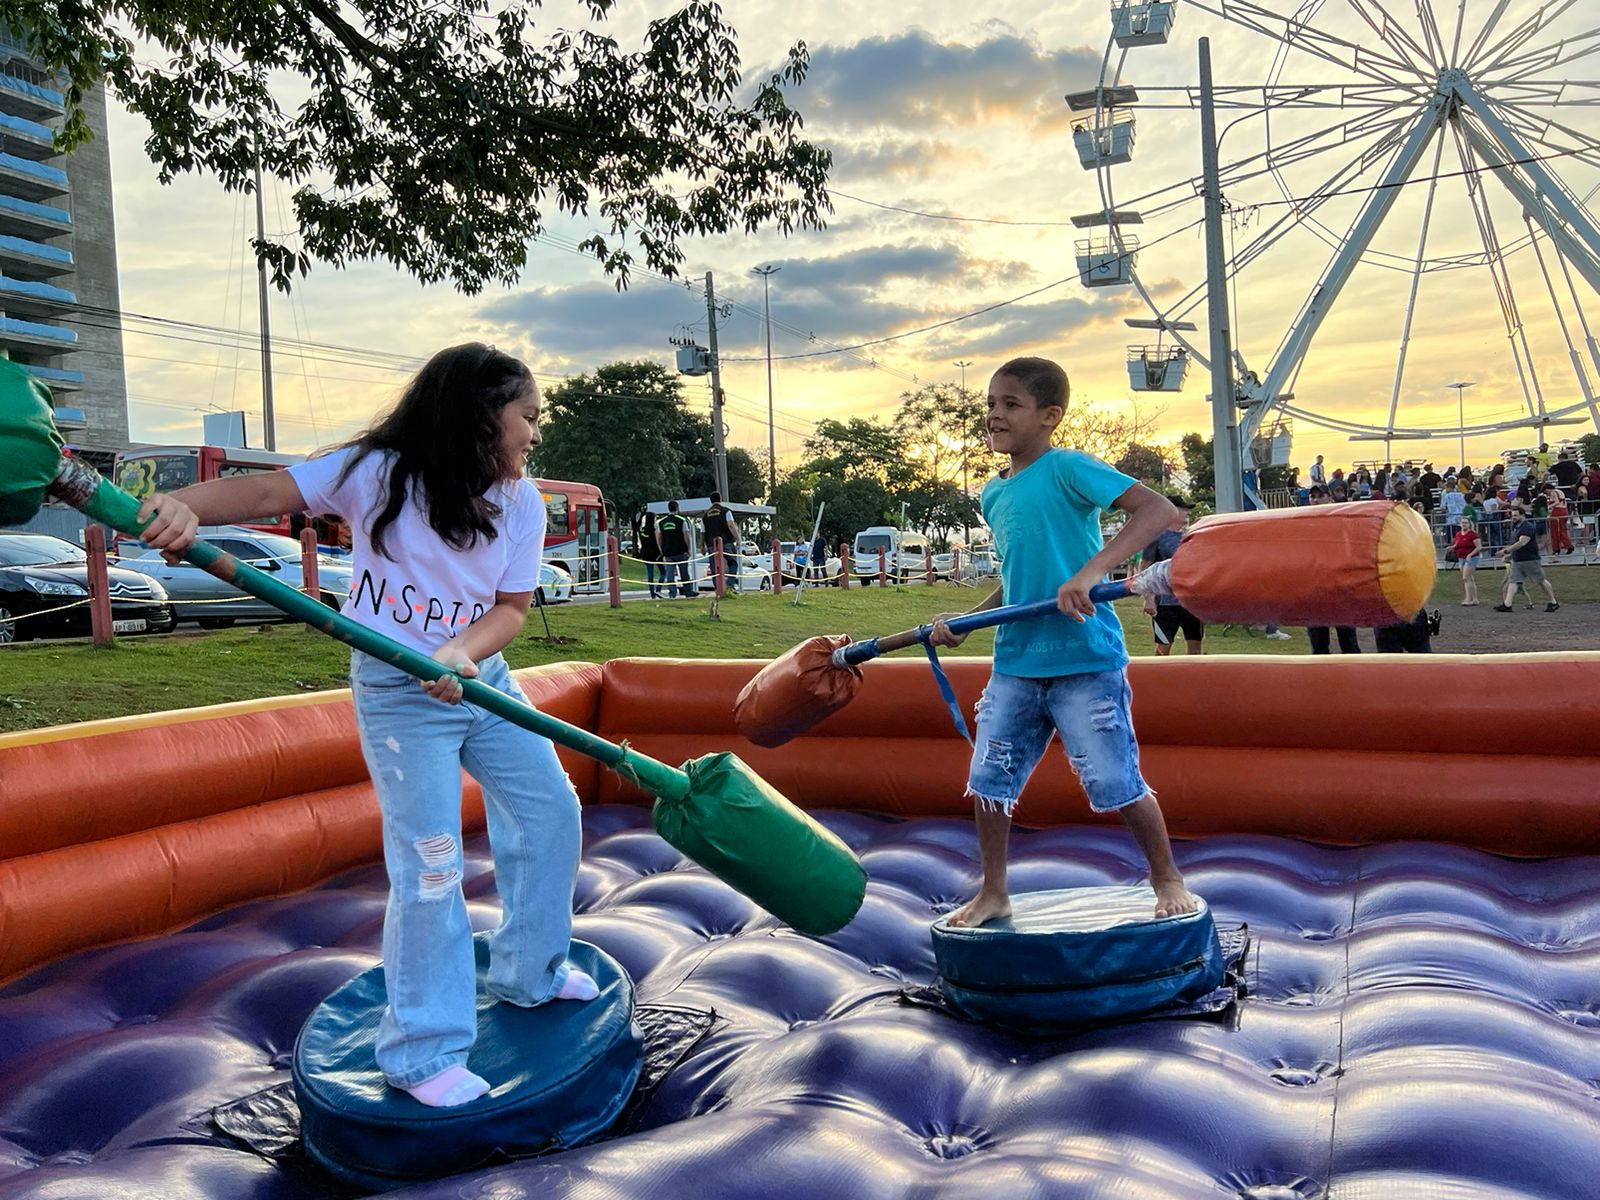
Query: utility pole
{"x":268,"y":426}
{"x":1224,"y":400}
{"x":719,"y":466}
{"x":766,"y":274}
{"x":966,"y":433}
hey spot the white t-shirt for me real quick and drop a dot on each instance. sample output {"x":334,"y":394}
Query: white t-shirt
{"x":430,"y":591}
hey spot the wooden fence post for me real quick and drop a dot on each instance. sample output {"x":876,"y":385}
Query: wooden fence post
{"x":99,"y":587}
{"x":310,"y":581}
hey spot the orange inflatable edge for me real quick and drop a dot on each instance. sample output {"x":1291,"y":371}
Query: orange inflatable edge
{"x":150,"y":881}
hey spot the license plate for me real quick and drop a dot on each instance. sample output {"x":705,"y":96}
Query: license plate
{"x":137,"y":626}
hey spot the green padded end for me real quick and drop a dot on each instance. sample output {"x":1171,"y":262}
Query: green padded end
{"x":30,"y":447}
{"x":740,"y":828}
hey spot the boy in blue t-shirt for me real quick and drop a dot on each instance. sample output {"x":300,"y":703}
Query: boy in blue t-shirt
{"x":1058,"y":674}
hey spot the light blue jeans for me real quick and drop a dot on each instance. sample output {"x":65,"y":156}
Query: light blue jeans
{"x":415,"y":747}
{"x":1091,"y":712}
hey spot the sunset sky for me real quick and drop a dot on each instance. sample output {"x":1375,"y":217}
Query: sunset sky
{"x":926,"y":109}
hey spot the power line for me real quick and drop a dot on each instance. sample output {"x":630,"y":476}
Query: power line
{"x":933,"y":216}
{"x":988,"y":308}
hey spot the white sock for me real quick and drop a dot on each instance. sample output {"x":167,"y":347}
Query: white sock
{"x":450,"y":1087}
{"x":578,"y":986}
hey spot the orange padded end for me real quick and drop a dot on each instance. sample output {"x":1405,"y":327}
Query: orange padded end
{"x":1364,"y":563}
{"x":791,"y":694}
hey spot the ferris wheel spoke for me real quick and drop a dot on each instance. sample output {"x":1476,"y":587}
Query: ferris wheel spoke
{"x":1430,"y":34}
{"x":1582,"y":375}
{"x":1570,"y":50}
{"x":1546,"y":93}
{"x":1455,"y":42}
{"x":1352,"y":129}
{"x":1291,"y":351}
{"x":1550,"y":185}
{"x":1394,"y":36}
{"x":1537,"y":128}
{"x":1501,"y":52}
{"x":1416,"y":281}
{"x":1292,"y":217}
{"x":1485,"y":33}
{"x":1341,"y":96}
{"x":1570,"y":248}
{"x":1484,"y":220}
{"x":1310,"y":145}
{"x":1298,"y":35}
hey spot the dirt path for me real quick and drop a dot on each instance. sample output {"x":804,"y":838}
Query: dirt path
{"x":1481,"y":630}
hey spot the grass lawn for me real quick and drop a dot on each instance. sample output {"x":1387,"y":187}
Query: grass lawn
{"x":57,"y":683}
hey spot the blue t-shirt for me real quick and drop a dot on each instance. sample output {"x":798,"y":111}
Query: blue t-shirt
{"x":1046,"y":524}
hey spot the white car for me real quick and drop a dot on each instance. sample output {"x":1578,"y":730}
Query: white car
{"x":555,"y":585}
{"x":201,"y":597}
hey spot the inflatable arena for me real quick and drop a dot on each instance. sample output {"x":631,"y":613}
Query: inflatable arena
{"x":1406,"y":896}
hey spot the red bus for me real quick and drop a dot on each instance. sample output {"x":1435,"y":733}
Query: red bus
{"x":575,"y":530}
{"x":141,"y":470}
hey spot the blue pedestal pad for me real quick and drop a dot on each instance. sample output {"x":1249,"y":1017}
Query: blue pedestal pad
{"x":560,"y":1075}
{"x":1081,"y":956}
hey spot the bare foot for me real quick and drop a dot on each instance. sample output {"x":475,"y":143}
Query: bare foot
{"x":985,"y":906}
{"x":1173,"y":899}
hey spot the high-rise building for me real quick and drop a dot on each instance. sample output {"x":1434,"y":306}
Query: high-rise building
{"x":59,"y":302}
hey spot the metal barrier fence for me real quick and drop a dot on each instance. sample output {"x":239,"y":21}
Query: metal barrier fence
{"x":1494,"y":533}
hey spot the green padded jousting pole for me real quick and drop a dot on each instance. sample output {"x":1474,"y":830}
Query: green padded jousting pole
{"x":715,"y":809}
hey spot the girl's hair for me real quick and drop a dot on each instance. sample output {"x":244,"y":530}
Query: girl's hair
{"x":444,"y":434}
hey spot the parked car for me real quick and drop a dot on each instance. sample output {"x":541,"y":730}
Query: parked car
{"x":201,"y":597}
{"x":904,"y":553}
{"x":751,"y":576}
{"x":39,"y":572}
{"x":795,"y":555}
{"x":555,"y":585}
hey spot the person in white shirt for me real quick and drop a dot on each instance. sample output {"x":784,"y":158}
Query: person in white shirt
{"x":448,"y":534}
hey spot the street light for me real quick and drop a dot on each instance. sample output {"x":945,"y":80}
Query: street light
{"x":1461,"y":420}
{"x":766,"y":274}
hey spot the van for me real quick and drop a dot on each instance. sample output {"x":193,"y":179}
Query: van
{"x":905,"y":554}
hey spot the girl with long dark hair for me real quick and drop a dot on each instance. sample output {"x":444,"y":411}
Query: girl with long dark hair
{"x":447,"y":541}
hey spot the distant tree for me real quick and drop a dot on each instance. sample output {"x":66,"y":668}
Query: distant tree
{"x":622,"y":428}
{"x":1589,"y":447}
{"x":440,"y":135}
{"x":851,"y":505}
{"x":1199,"y":461}
{"x":940,"y":428}
{"x":695,"y":442}
{"x":747,"y":476}
{"x":1148,"y":464}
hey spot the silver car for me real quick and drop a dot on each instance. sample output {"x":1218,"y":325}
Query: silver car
{"x":201,"y":597}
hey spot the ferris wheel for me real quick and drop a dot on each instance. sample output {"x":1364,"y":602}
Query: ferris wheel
{"x":1383,"y":166}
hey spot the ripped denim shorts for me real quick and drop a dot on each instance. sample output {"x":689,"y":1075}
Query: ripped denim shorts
{"x":1016,"y":717}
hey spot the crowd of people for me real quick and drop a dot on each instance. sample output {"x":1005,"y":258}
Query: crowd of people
{"x":1551,"y":509}
{"x":1556,"y":490}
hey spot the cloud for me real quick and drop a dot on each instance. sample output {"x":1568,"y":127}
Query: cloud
{"x":913,"y":81}
{"x":844,"y":297}
{"x":893,"y":158}
{"x":1047,"y":328}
